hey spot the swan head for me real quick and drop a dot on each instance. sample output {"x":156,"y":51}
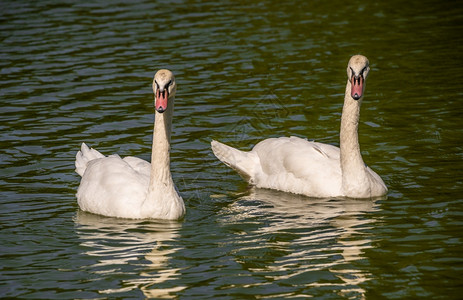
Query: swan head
{"x":164,"y":88}
{"x":357,"y":72}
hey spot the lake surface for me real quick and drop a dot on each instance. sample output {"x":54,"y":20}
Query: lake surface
{"x":77,"y":71}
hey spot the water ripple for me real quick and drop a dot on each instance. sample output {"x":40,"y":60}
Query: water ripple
{"x":82,"y":72}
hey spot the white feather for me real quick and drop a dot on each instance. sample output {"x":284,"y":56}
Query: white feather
{"x":314,"y":169}
{"x":131,"y":187}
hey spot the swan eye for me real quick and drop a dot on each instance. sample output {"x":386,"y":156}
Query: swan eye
{"x":365,"y":71}
{"x":157,"y":85}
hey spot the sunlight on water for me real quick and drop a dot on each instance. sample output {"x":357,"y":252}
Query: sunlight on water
{"x":115,"y":243}
{"x":82,"y":72}
{"x":336,"y":237}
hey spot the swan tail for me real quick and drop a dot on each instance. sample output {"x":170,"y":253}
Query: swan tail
{"x":245,"y":163}
{"x":84,"y":156}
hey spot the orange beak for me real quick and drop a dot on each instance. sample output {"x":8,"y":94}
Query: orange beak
{"x":161,"y":100}
{"x":357,"y":87}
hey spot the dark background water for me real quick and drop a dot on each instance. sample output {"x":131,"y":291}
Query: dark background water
{"x":79,"y":71}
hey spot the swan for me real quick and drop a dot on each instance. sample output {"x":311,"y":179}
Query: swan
{"x":295,"y":165}
{"x":131,"y":187}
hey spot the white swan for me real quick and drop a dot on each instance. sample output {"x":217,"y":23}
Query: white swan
{"x":310,"y":168}
{"x":132,"y":187}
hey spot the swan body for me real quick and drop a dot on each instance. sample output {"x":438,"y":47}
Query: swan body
{"x":296,"y":165}
{"x":131,"y":187}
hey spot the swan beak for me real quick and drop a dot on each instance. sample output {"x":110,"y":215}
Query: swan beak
{"x":161,"y":100}
{"x":357,"y":87}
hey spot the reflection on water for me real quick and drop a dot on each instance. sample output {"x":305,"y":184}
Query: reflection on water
{"x":117,"y":242}
{"x":297,"y":237}
{"x":75,"y":71}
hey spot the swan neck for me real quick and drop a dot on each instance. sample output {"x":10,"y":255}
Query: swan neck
{"x":160,"y":156}
{"x":162,"y":200}
{"x":352,"y":165}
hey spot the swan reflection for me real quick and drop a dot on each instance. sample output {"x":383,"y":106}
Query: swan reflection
{"x":145,"y":246}
{"x":301,"y":241}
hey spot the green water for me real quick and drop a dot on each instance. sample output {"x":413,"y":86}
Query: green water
{"x":74,"y":72}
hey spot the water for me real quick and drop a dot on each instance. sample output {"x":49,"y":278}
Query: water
{"x":79,"y":71}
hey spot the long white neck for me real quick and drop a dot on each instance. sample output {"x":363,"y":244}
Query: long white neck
{"x":162,"y":200}
{"x":160,"y":156}
{"x":353,"y":168}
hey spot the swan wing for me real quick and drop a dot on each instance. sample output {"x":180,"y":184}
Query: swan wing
{"x":84,"y":156}
{"x":112,"y":187}
{"x":295,"y":155}
{"x":138,"y":164}
{"x":300,"y":166}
